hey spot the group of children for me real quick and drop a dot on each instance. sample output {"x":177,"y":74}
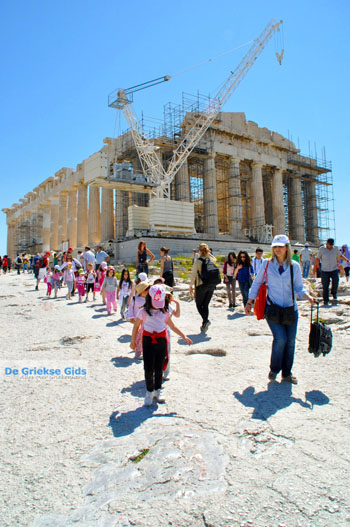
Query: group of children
{"x":149,"y":307}
{"x":103,"y":281}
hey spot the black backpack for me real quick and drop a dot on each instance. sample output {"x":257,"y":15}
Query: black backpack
{"x":320,"y":338}
{"x":210,"y":274}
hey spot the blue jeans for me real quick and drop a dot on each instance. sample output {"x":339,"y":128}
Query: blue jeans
{"x":244,"y":288}
{"x":326,"y":277}
{"x":283,"y":346}
{"x":306,"y":269}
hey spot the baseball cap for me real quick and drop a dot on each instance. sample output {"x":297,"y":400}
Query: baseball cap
{"x":306,"y":244}
{"x":280,"y":240}
{"x":57,"y":267}
{"x":157,"y":293}
{"x":141,"y":287}
{"x":143,"y":277}
{"x":104,"y":265}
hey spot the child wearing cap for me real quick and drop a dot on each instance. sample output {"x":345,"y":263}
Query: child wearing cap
{"x":135,"y":305}
{"x":81,"y":284}
{"x":155,"y":318}
{"x":109,"y":288}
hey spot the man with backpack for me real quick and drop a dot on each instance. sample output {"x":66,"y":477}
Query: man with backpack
{"x":18,"y":263}
{"x":204,"y":279}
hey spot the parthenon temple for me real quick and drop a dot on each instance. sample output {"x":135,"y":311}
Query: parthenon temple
{"x":241,"y":182}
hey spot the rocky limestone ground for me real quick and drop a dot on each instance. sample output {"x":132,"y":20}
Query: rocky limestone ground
{"x":227,"y":448}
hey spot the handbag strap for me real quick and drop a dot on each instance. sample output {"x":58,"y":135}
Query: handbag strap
{"x":291,"y":281}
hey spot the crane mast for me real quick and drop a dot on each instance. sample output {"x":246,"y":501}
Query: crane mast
{"x":147,"y":151}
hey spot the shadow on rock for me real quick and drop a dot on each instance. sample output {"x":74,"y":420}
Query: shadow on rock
{"x":124,"y":339}
{"x":270,"y":401}
{"x":235,"y":315}
{"x":199,"y":337}
{"x":124,"y":424}
{"x":115,"y":323}
{"x":137,"y":389}
{"x":123,"y":362}
{"x":316,"y":398}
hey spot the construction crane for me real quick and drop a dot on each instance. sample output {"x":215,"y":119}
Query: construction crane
{"x":148,"y":151}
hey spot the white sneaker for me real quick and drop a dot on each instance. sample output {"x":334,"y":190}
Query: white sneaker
{"x":158,"y":396}
{"x":148,"y":398}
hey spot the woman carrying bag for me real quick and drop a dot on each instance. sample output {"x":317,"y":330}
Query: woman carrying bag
{"x":284,"y":283}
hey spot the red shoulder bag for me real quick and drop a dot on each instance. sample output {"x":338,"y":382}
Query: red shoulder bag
{"x":260,"y":301}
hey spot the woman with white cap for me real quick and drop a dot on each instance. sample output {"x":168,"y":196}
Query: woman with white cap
{"x":284,"y":282}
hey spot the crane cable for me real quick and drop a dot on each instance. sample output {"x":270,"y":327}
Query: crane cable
{"x":210,"y":60}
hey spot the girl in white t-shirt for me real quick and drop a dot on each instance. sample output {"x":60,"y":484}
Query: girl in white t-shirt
{"x":90,"y":282}
{"x":124,"y":291}
{"x":155,"y":318}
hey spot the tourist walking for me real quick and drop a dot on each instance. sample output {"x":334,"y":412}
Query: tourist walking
{"x":257,"y":261}
{"x":135,"y":304}
{"x":89,"y":257}
{"x":80,"y":283}
{"x":229,"y":278}
{"x":204,"y":279}
{"x":124,"y":292}
{"x":166,"y":267}
{"x":155,"y":319}
{"x":101,"y":256}
{"x":296,"y":256}
{"x":25,"y":260}
{"x":5,"y":263}
{"x":56,"y":279}
{"x":48,"y":281}
{"x":284,"y":283}
{"x":18,"y":263}
{"x":329,"y":256}
{"x":243,"y":274}
{"x":141,"y":258}
{"x":305,"y":260}
{"x":90,"y":282}
{"x":68,"y":278}
{"x":109,"y":287}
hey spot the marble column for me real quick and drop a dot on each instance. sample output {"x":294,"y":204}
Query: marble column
{"x":310,"y":201}
{"x":121,"y":216}
{"x":39,"y":230}
{"x":46,"y":226}
{"x":62,"y":218}
{"x":278,"y":217}
{"x":235,"y":200}
{"x":54,"y":225}
{"x":107,"y":216}
{"x":94,"y":220}
{"x":10,"y":239}
{"x":295,"y":210}
{"x":82,"y":226}
{"x":182,"y":184}
{"x":72,"y":217}
{"x":210,"y":197}
{"x":257,"y":211}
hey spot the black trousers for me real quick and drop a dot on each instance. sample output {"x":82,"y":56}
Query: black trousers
{"x":153,"y":360}
{"x":203,"y":296}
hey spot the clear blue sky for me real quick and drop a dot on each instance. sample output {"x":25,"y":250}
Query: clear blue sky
{"x":59,"y":61}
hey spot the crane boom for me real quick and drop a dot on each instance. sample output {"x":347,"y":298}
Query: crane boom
{"x":205,"y":119}
{"x":146,"y":149}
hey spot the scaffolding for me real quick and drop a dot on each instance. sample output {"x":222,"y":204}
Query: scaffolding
{"x":318,"y":214}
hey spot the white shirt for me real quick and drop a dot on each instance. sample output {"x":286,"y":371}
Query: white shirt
{"x":89,"y":257}
{"x":257,"y":264}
